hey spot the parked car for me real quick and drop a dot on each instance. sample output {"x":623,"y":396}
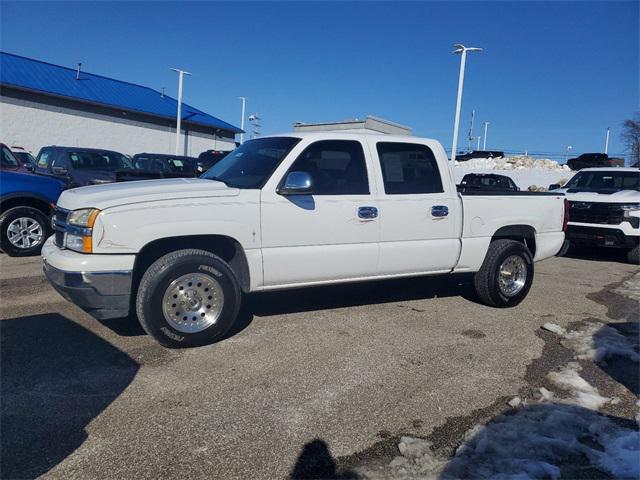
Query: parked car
{"x":81,"y":166}
{"x":27,"y":160}
{"x":479,"y":154}
{"x":291,"y":211}
{"x":487,"y":182}
{"x":157,"y":165}
{"x":605,"y":209}
{"x":208,"y":159}
{"x":9,"y":162}
{"x":26,"y":203}
{"x":590,"y":160}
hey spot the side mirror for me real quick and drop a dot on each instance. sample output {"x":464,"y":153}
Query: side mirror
{"x":62,"y":171}
{"x":554,"y":186}
{"x":29,"y":167}
{"x":297,"y":183}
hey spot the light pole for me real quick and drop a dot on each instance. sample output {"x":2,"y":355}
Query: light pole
{"x":244,"y":103}
{"x":462,"y":50}
{"x":606,"y":141}
{"x":484,"y":142}
{"x":181,"y":74}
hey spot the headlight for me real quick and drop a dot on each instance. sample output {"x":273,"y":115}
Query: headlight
{"x":630,"y":207}
{"x":84,"y":217}
{"x":80,"y":230}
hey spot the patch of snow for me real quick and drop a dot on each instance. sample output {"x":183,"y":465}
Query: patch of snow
{"x":630,"y":288}
{"x":595,"y":341}
{"x":583,"y":393}
{"x":514,"y":402}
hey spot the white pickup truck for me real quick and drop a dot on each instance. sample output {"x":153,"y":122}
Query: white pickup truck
{"x":290,"y":211}
{"x":605,"y":209}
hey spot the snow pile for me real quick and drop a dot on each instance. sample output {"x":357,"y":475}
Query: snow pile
{"x":519,"y":162}
{"x":595,"y":341}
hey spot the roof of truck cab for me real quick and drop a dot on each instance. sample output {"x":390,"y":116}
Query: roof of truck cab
{"x":341,"y":134}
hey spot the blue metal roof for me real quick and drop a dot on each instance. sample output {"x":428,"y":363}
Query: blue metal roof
{"x":34,"y":75}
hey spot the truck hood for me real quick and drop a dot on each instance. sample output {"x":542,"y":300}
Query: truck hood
{"x":630,"y":196}
{"x":115,"y":194}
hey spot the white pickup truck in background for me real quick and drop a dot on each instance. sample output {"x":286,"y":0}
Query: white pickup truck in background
{"x":290,"y":211}
{"x":605,"y":209}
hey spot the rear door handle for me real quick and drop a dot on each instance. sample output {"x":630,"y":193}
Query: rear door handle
{"x":367,"y":212}
{"x":439,"y":210}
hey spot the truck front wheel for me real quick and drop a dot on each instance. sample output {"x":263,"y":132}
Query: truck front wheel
{"x":506,"y":274}
{"x":633,"y":254}
{"x":188,"y":298}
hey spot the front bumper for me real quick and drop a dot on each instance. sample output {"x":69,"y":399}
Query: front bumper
{"x":103,"y":295}
{"x":600,"y":236}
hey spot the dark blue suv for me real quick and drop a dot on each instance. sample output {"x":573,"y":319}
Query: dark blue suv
{"x":26,"y":204}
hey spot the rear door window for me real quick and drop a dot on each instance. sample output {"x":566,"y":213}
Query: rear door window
{"x":408,"y":168}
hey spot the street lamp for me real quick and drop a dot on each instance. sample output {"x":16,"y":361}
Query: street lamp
{"x":462,"y":50}
{"x":569,"y":148}
{"x":181,"y":74}
{"x":244,"y":103}
{"x":606,"y":141}
{"x":484,"y":142}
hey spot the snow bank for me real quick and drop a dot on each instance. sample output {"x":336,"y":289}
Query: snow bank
{"x":582,"y":392}
{"x":524,"y":171}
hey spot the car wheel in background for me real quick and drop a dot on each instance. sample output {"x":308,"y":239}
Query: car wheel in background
{"x":23,"y":231}
{"x":633,"y":255}
{"x":188,"y":298}
{"x":506,"y":274}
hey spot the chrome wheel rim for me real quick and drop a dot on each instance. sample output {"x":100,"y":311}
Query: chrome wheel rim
{"x":192,"y":302}
{"x":24,"y":232}
{"x":512,"y":275}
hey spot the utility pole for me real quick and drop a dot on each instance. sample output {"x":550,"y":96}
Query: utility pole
{"x":484,"y":142}
{"x":606,"y":142}
{"x":478,"y":137}
{"x":470,"y":138}
{"x":181,"y":74}
{"x":244,"y":103}
{"x":462,"y":50}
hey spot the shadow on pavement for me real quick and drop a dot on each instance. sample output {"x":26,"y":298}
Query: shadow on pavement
{"x":621,"y":368}
{"x":56,"y":377}
{"x":315,"y":462}
{"x":361,"y":293}
{"x":602,"y":254}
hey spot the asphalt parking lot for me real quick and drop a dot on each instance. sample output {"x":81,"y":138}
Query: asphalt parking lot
{"x":350,"y":366}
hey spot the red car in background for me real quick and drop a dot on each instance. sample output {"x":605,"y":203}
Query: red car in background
{"x":8,"y":161}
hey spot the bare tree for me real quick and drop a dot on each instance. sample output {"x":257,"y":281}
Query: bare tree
{"x":631,"y":137}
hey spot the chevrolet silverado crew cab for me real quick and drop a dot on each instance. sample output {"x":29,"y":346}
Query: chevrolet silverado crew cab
{"x":290,"y":211}
{"x":605,"y":209}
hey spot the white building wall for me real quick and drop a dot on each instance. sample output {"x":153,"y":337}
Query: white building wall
{"x":34,"y":125}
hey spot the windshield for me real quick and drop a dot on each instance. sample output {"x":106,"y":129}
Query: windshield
{"x":252,"y":163}
{"x":604,"y":181}
{"x":25,"y":157}
{"x":164,"y":164}
{"x":104,"y":161}
{"x":8,"y":160}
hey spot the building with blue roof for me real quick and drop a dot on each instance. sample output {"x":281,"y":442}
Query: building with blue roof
{"x":45,"y":104}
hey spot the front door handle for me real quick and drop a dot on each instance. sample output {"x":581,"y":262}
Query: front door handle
{"x":439,"y":210}
{"x":367,"y":212}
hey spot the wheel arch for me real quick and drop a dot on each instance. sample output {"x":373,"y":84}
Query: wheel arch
{"x":521,"y":233}
{"x":227,"y":248}
{"x":25,"y":200}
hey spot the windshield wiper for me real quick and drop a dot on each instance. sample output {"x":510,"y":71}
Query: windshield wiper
{"x":218,"y":179}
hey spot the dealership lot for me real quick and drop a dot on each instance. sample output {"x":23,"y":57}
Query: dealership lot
{"x":351,"y":365}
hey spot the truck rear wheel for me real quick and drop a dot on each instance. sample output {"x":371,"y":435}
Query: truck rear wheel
{"x":23,"y":231}
{"x":506,"y":274}
{"x":188,"y":298}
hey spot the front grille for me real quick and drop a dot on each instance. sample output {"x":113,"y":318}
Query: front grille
{"x":60,"y":225}
{"x":593,"y":212}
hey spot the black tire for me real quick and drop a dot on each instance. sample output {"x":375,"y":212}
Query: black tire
{"x":158,"y":278}
{"x":33,"y":215}
{"x":486,"y":279}
{"x":633,"y":255}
